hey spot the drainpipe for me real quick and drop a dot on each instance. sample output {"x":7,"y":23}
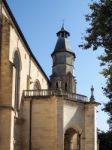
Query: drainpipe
{"x":30,"y":126}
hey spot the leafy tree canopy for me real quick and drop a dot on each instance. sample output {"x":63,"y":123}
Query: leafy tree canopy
{"x":99,"y":34}
{"x":105,"y":140}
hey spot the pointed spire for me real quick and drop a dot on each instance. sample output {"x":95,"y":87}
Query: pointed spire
{"x":62,"y":44}
{"x":92,"y":94}
{"x":63,"y":23}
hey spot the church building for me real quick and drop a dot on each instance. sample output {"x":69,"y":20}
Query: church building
{"x":37,"y":112}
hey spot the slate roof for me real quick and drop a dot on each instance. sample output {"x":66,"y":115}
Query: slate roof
{"x":63,"y":44}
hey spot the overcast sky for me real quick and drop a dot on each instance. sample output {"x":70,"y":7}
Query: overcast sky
{"x":39,"y":21}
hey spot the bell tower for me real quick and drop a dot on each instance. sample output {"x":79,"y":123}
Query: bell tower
{"x":63,"y":59}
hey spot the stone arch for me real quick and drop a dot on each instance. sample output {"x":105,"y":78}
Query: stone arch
{"x":71,"y":139}
{"x":17,"y":67}
{"x":37,"y":85}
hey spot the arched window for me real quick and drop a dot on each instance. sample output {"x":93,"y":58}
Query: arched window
{"x":70,"y":83}
{"x":37,"y":85}
{"x":57,"y":85}
{"x":17,"y":78}
{"x":65,"y":86}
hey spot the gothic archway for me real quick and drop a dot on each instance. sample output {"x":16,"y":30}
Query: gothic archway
{"x":71,"y":140}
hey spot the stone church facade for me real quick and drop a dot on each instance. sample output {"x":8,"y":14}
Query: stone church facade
{"x":37,"y":113}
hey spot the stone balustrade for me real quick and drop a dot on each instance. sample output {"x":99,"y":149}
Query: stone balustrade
{"x":43,"y":93}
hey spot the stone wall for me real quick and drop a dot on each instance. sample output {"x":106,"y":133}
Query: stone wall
{"x":90,"y":127}
{"x":12,"y":41}
{"x":74,"y":118}
{"x":82,"y":118}
{"x":45,"y":125}
{"x":53,"y":116}
{"x":5,"y":88}
{"x":29,"y":67}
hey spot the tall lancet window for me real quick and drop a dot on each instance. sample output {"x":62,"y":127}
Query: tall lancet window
{"x":17,"y":79}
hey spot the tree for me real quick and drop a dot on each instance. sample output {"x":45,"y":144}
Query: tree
{"x":105,"y":140}
{"x":99,"y":35}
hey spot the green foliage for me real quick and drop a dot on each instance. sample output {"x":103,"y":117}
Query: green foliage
{"x":105,"y":140}
{"x":99,"y":35}
{"x":108,"y":109}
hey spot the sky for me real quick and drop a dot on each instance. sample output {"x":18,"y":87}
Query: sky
{"x":40,"y":20}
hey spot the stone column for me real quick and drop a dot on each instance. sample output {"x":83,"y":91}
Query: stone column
{"x":5,"y":88}
{"x":90,"y":126}
{"x":60,"y":134}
